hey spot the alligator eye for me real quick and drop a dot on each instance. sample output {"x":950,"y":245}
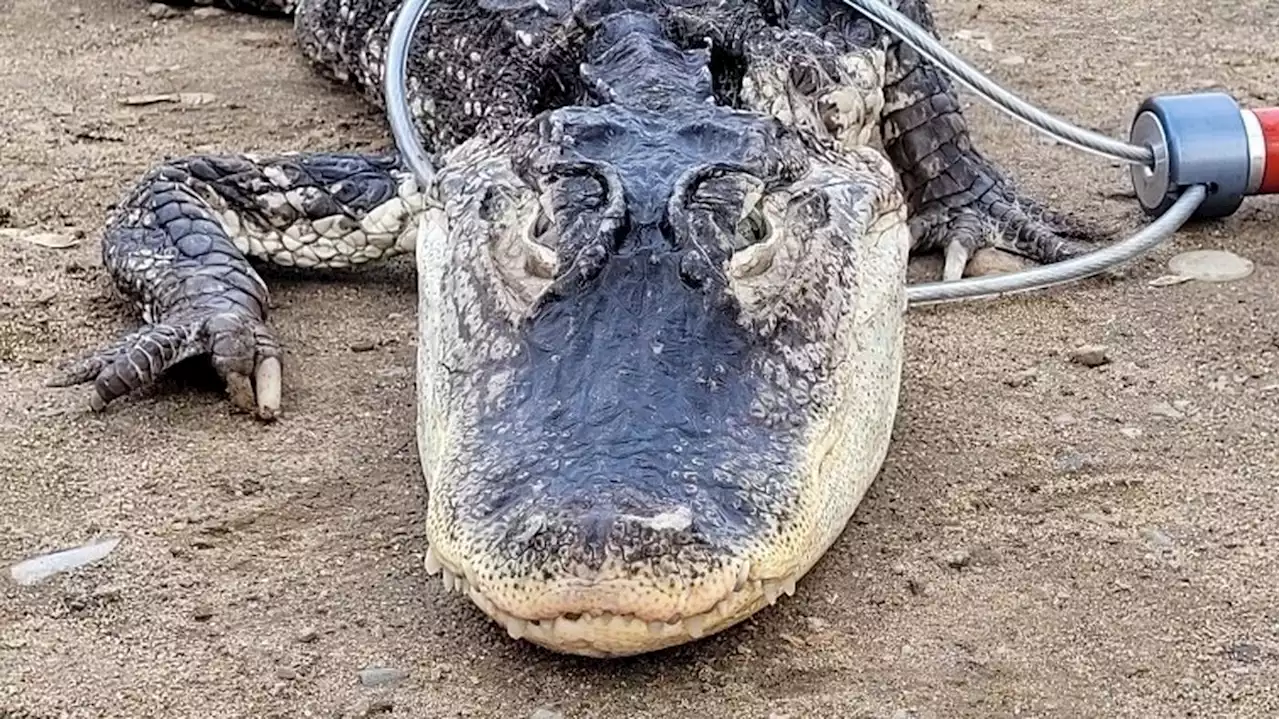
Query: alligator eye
{"x":752,"y":229}
{"x":753,"y":253}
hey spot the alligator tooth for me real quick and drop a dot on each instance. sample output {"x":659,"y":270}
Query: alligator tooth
{"x":789,"y":586}
{"x":744,"y":573}
{"x":487,"y":606}
{"x":565,"y":629}
{"x":517,"y":628}
{"x":542,"y":628}
{"x":695,"y":625}
{"x":657,"y":629}
{"x":432,"y":562}
{"x":449,"y":580}
{"x":772,"y":588}
{"x":460,"y":584}
{"x":721,"y":609}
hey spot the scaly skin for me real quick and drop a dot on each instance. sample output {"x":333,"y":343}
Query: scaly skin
{"x":661,"y":298}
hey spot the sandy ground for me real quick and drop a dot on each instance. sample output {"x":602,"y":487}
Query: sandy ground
{"x":1040,"y":543}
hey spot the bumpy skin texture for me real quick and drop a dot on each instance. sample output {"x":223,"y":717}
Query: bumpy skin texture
{"x":734,"y":371}
{"x":661,"y":286}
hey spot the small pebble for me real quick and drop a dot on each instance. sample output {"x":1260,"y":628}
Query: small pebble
{"x":1090,"y":355}
{"x":1022,"y":378}
{"x":1074,"y":463}
{"x":363,"y":346}
{"x":1158,"y":538}
{"x":1066,"y":419}
{"x":956,"y":558}
{"x":1131,"y":432}
{"x":160,"y":11}
{"x":791,"y":639}
{"x":286,"y":673}
{"x":106,"y":593}
{"x":204,"y":13}
{"x":1245,"y":652}
{"x":202,"y":613}
{"x":816,"y":624}
{"x":545,"y":713}
{"x":377,"y":676}
{"x":308,"y":635}
{"x":1168,"y":280}
{"x":1166,"y":410}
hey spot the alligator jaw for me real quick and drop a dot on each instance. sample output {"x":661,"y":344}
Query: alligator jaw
{"x":605,"y":634}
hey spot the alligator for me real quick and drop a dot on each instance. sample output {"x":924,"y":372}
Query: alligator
{"x":661,"y":275}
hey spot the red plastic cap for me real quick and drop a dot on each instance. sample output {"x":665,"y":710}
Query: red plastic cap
{"x":1269,"y":119}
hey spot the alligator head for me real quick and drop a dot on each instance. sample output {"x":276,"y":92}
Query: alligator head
{"x":659,"y":355}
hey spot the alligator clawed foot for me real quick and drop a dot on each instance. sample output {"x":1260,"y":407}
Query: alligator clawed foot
{"x":1002,"y":219}
{"x":243,"y":351}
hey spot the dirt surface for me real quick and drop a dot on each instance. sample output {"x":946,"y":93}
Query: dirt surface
{"x":1046,"y":539}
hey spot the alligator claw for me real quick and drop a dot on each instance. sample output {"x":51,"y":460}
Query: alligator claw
{"x":1001,"y":219}
{"x":243,"y":352}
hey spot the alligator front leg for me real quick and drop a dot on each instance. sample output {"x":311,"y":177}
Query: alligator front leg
{"x":959,"y":200}
{"x":179,"y":245}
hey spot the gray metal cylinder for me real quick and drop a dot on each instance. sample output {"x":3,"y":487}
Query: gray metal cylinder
{"x":1198,"y":139}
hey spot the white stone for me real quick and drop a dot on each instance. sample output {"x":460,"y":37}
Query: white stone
{"x":1211,"y":265}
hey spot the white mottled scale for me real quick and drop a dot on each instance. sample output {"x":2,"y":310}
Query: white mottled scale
{"x":338,"y":241}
